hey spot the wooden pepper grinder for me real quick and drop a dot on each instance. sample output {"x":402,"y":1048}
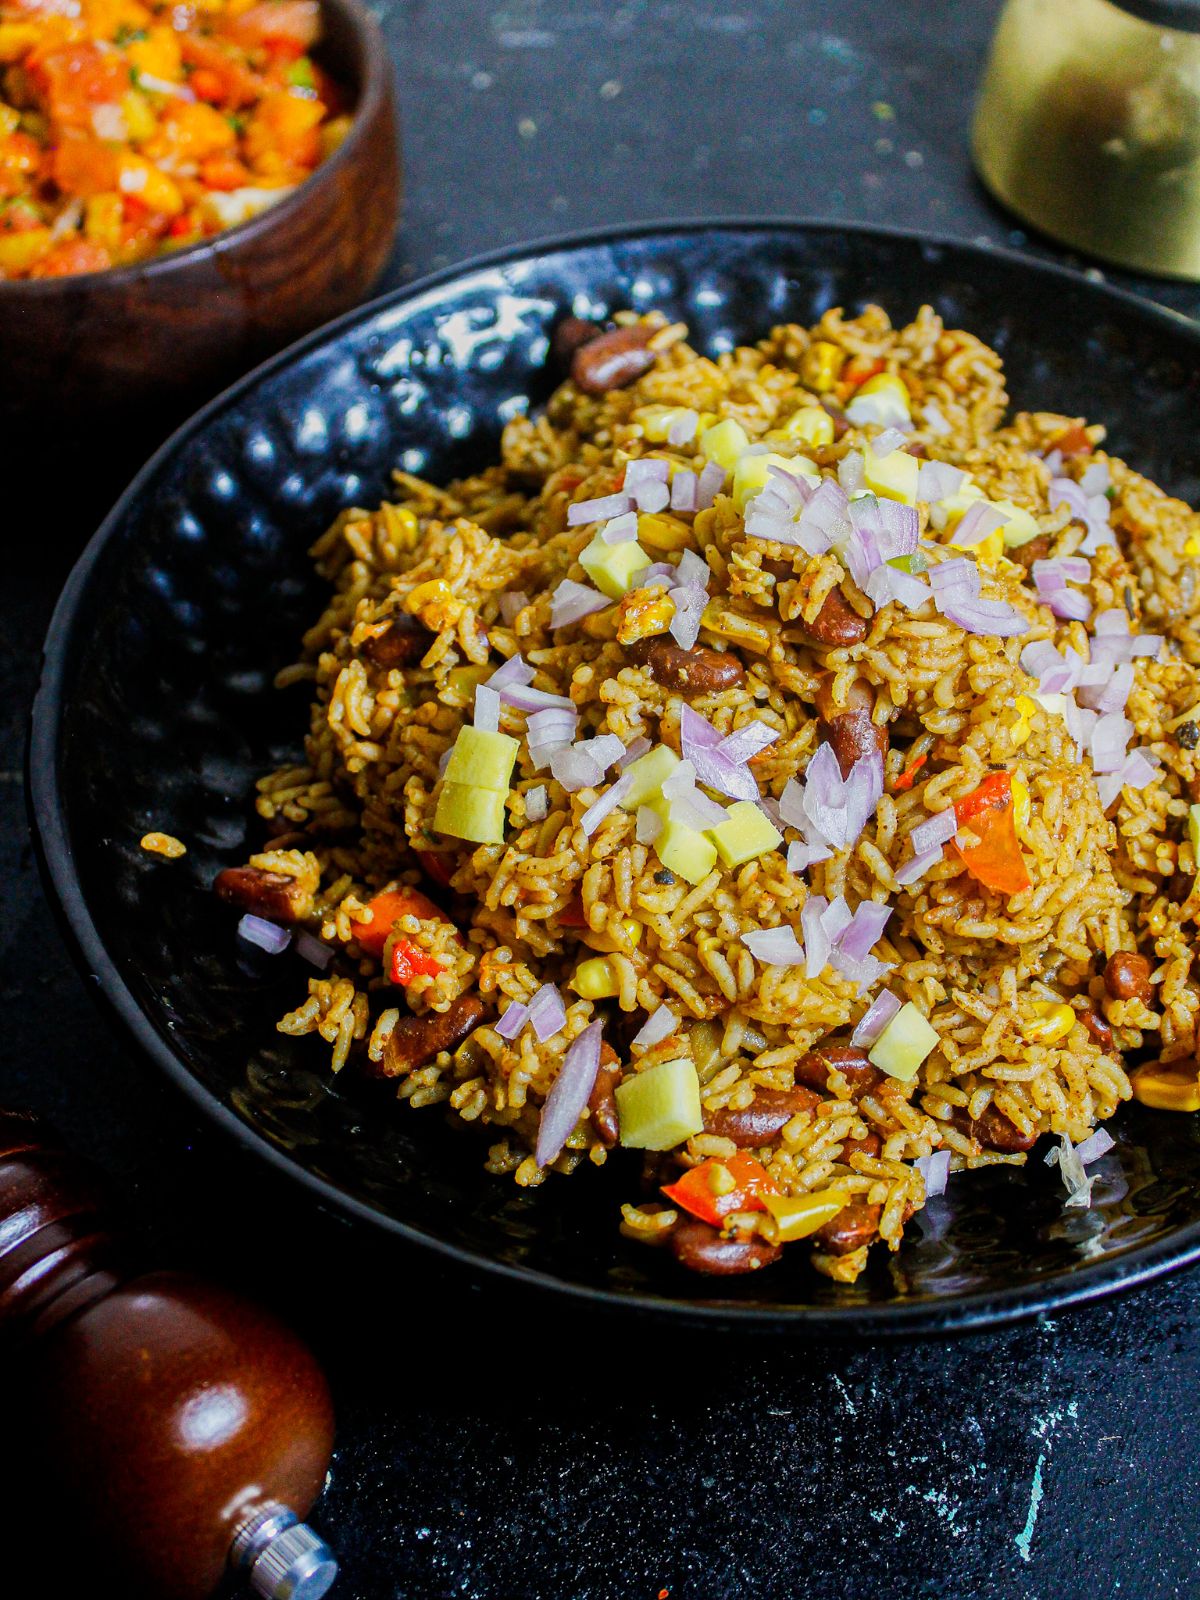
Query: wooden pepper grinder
{"x":192,"y":1429}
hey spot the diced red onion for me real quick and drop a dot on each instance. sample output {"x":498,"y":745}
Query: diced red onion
{"x":817,"y":940}
{"x":555,"y":724}
{"x":607,"y":505}
{"x":748,"y":741}
{"x":654,"y":572}
{"x":683,"y":429}
{"x":712,"y":481}
{"x":852,"y":472}
{"x":1110,"y":695}
{"x":652,"y":497}
{"x":511,"y":606}
{"x":916,"y":869}
{"x":608,"y":801}
{"x":934,"y":420}
{"x":774,"y":947}
{"x":693,"y":571}
{"x":864,"y":973}
{"x":444,"y":761}
{"x":312,"y":950}
{"x":513,"y":1020}
{"x":938,"y":480}
{"x":1097,"y":1144}
{"x":884,"y":443}
{"x":864,"y":930}
{"x":620,"y":530}
{"x":837,"y":918}
{"x":569,"y":1095}
{"x":650,"y":469}
{"x":649,"y":825}
{"x":268,"y":936}
{"x":1078,"y":1185}
{"x":801,"y":855}
{"x":537,"y":804}
{"x":934,"y":1169}
{"x":683,"y":491}
{"x":487,"y":709}
{"x":1054,"y":460}
{"x":887,"y":584}
{"x":825,"y":520}
{"x":659,"y":1025}
{"x":1051,"y":578}
{"x":977,"y":522}
{"x":575,"y":769}
{"x":701,"y":745}
{"x":1097,"y":479}
{"x":1109,"y":742}
{"x":528,"y":699}
{"x":604,"y":750}
{"x":547,"y":1013}
{"x":637,"y":747}
{"x":957,"y":598}
{"x":515,"y":670}
{"x":690,"y":602}
{"x":875,"y":1019}
{"x":1066,"y":492}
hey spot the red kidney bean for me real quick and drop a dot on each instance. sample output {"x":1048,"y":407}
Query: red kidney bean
{"x":1127,"y":977}
{"x":602,"y":1102}
{"x":813,"y":1068}
{"x":854,"y":1226}
{"x":1098,"y":1028}
{"x":402,"y":645}
{"x":571,"y":334}
{"x":870,"y":1145}
{"x":702,"y":1248}
{"x":695,"y":671}
{"x":837,"y":624}
{"x":849,"y":728}
{"x":272,"y":895}
{"x":1035,"y":549}
{"x":763,"y":1120}
{"x":415,"y":1040}
{"x":994,"y":1131}
{"x":613,"y":360}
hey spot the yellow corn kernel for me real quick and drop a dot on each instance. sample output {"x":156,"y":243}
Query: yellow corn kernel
{"x":1191,"y":546}
{"x":632,"y":929}
{"x":1022,"y":808}
{"x":720,"y":1180}
{"x":402,"y":526}
{"x":662,"y":532}
{"x":657,"y":421}
{"x":595,"y":979}
{"x":821,"y":365}
{"x":643,"y":613}
{"x":1026,"y":706}
{"x":1054,"y":1021}
{"x":810,"y":425}
{"x":15,"y":39}
{"x":1167,"y":1087}
{"x":434,"y":603}
{"x":799,"y":1215}
{"x":19,"y":251}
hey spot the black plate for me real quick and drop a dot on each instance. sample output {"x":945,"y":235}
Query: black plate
{"x":156,"y":710}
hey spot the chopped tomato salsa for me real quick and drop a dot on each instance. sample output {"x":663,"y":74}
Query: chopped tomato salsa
{"x":131,"y":127}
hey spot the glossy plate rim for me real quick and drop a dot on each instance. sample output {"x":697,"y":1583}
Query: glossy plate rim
{"x":970,"y":1312}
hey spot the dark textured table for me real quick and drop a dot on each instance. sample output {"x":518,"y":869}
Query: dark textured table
{"x":491,"y":1446}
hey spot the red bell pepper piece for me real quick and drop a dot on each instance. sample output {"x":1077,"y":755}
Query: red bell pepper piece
{"x":996,"y":860}
{"x":695,"y":1193}
{"x":410,"y":961}
{"x":905,"y":780}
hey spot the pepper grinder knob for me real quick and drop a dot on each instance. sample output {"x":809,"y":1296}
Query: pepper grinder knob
{"x":192,"y":1430}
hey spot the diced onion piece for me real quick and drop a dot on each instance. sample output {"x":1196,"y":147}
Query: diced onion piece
{"x":568,"y":1097}
{"x":268,"y":936}
{"x":633,"y":751}
{"x":934,"y":1169}
{"x":649,"y":825}
{"x":487,"y":709}
{"x":513,"y":1020}
{"x":683,"y":490}
{"x":511,"y":606}
{"x":875,"y":1019}
{"x":920,"y":864}
{"x":774,"y":947}
{"x":620,"y":530}
{"x":312,"y":950}
{"x":547,"y":1013}
{"x":1097,"y":1144}
{"x":599,"y":809}
{"x":701,"y":745}
{"x":649,"y":469}
{"x":572,"y":601}
{"x":537,"y":804}
{"x":608,"y":505}
{"x":659,"y":1025}
{"x":935,"y":830}
{"x":712,"y":481}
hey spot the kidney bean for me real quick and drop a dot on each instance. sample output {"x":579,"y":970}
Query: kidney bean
{"x":272,"y":895}
{"x":763,"y":1120}
{"x":994,"y":1131}
{"x":702,"y":1248}
{"x":837,"y":624}
{"x":571,"y":334}
{"x":1035,"y":549}
{"x":612,"y":360}
{"x":415,"y":1040}
{"x":696,"y":671}
{"x":854,"y":1226}
{"x":870,"y":1145}
{"x":403,"y":643}
{"x":813,"y":1068}
{"x":1127,"y":977}
{"x":1098,"y":1028}
{"x":849,"y":728}
{"x":602,"y":1102}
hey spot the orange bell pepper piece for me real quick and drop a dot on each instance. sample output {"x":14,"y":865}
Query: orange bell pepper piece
{"x":386,"y":910}
{"x":698,"y":1190}
{"x":996,"y":861}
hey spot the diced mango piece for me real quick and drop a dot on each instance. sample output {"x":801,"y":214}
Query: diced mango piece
{"x":465,"y":812}
{"x":595,"y":979}
{"x":685,"y":851}
{"x":612,"y":567}
{"x":724,"y":442}
{"x":810,"y":425}
{"x":799,"y":1215}
{"x":744,"y":834}
{"x":903,"y":1045}
{"x":751,"y":473}
{"x":649,"y":773}
{"x":483,"y":760}
{"x":882,"y":400}
{"x":894,"y":476}
{"x":1172,"y":1086}
{"x":659,"y":1108}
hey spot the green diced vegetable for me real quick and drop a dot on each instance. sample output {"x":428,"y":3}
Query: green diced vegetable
{"x":467,"y":812}
{"x":482,"y":760}
{"x":903,"y":1044}
{"x":659,"y":1108}
{"x":913,"y":564}
{"x":744,"y":834}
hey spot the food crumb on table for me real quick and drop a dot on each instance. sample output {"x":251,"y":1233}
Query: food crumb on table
{"x":164,"y":844}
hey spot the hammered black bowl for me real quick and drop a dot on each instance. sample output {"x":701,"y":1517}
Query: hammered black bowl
{"x":156,"y":710}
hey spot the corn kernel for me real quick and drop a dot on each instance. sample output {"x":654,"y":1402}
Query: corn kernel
{"x":596,"y":979}
{"x":434,"y":603}
{"x":1054,"y":1021}
{"x":1191,"y":545}
{"x":1172,"y":1087}
{"x":657,"y":421}
{"x":1022,"y":808}
{"x":1026,"y":706}
{"x":662,"y":532}
{"x":642,"y":614}
{"x":632,"y":929}
{"x":720,"y":1179}
{"x":402,"y":525}
{"x":820,"y":366}
{"x":810,"y":425}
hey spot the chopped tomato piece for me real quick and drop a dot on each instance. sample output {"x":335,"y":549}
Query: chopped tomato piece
{"x":905,"y":780}
{"x":410,"y":961}
{"x":1073,"y":441}
{"x":996,"y":860}
{"x":717,"y":1188}
{"x":386,"y":910}
{"x":857,"y":370}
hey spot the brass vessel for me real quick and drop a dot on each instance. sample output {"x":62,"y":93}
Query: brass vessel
{"x":1088,"y":127}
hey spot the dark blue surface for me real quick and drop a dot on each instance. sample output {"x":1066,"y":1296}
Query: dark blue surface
{"x":490,"y":1448}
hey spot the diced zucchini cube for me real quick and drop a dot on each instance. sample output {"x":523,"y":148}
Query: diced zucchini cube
{"x":465,"y":812}
{"x":482,"y":760}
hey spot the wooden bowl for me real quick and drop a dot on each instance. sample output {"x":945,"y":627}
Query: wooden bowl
{"x":123,"y":355}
